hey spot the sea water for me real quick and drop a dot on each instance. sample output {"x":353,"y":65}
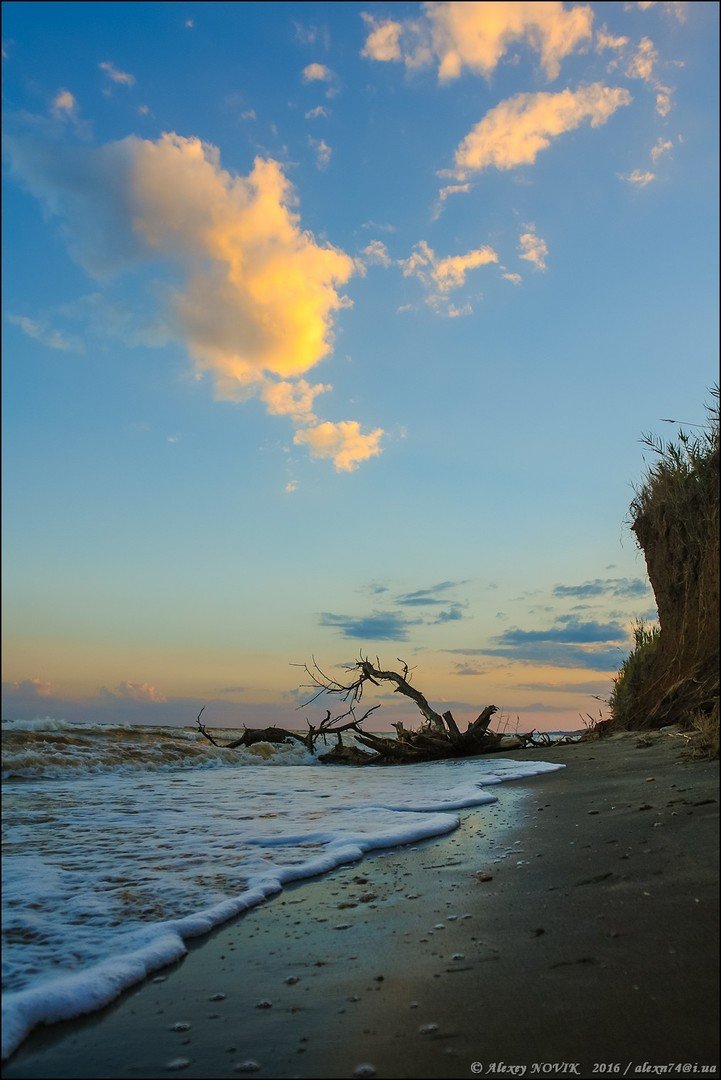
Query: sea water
{"x":123,"y":842}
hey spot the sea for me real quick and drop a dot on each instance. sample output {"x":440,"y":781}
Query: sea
{"x":123,"y":842}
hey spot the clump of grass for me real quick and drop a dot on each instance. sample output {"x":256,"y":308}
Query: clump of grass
{"x":672,"y":674}
{"x":704,"y":739}
{"x":634,"y":674}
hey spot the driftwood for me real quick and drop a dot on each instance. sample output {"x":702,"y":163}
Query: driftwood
{"x":438,"y":737}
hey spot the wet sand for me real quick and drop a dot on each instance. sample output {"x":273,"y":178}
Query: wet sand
{"x":593,"y":940}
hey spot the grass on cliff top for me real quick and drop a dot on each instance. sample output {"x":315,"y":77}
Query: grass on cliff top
{"x":684,"y":468}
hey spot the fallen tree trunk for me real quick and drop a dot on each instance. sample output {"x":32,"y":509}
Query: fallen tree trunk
{"x":438,"y":737}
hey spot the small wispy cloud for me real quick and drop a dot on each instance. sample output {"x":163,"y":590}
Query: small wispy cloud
{"x":323,"y":152}
{"x":639,"y":177}
{"x":38,"y":331}
{"x":122,"y":78}
{"x":316,"y":113}
{"x":376,"y":252}
{"x":321,"y":73}
{"x":622,"y":587}
{"x":441,"y":275}
{"x":64,"y":105}
{"x":532,"y":248}
{"x":661,"y":147}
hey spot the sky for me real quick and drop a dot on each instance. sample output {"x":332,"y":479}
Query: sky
{"x":334,"y":328}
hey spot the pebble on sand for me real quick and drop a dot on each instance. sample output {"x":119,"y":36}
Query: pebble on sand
{"x":177,"y":1064}
{"x":246,"y":1067}
{"x":366,"y":1069}
{"x":180,"y":1025}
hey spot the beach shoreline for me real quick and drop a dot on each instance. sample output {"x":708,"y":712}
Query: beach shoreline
{"x":592,"y":941}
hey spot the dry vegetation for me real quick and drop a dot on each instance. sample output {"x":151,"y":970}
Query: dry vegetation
{"x":672,"y":674}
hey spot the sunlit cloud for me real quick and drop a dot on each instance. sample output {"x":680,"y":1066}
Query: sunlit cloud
{"x":317,"y":73}
{"x":34,"y":687}
{"x":256,"y":305}
{"x":343,"y":443}
{"x":676,"y":8}
{"x":122,"y":78}
{"x":604,"y":40}
{"x":515,"y":279}
{"x":641,"y":64}
{"x":445,"y":193}
{"x":377,"y":252}
{"x":532,"y":248}
{"x":661,"y":147}
{"x":53,"y":339}
{"x":663,"y":100}
{"x":516,"y":130}
{"x":476,"y":36}
{"x":639,"y":177}
{"x":64,"y":105}
{"x":133,"y":692}
{"x":383,"y":41}
{"x":294,"y":399}
{"x":442,"y":275}
{"x":290,"y":487}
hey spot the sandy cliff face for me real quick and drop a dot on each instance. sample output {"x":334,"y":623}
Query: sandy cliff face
{"x":676,"y":524}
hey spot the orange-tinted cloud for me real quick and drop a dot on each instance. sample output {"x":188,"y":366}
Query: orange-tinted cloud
{"x":258,"y":293}
{"x":532,"y":248}
{"x":343,"y":443}
{"x":468,"y":35}
{"x":519,"y":128}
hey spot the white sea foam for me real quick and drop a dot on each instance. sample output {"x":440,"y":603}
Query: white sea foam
{"x":105,"y":877}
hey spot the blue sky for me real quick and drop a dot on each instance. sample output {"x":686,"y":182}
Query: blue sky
{"x":335,"y":327}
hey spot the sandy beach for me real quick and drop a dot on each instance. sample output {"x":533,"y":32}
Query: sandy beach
{"x":574,"y":921}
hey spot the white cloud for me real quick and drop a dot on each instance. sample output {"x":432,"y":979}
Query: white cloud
{"x":516,"y":130}
{"x":317,"y":112}
{"x":291,"y":486}
{"x":532,"y":248}
{"x":464,"y":34}
{"x":515,"y":279}
{"x":123,"y":78}
{"x":323,"y":152}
